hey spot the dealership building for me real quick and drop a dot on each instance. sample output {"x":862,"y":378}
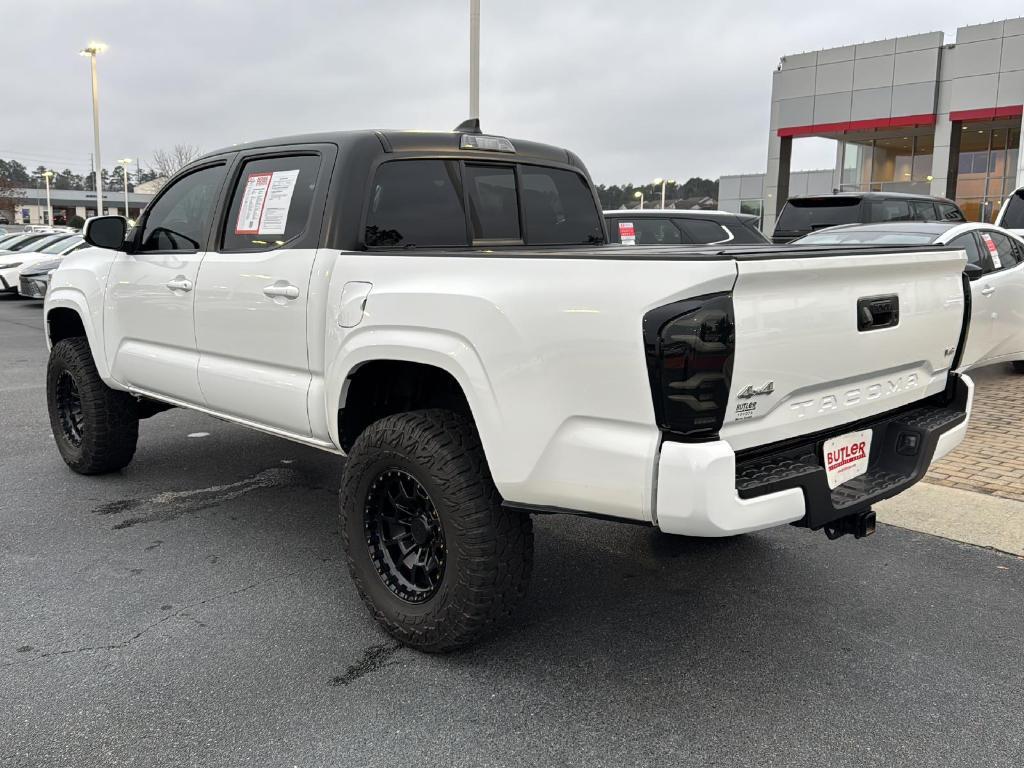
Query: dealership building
{"x":910,"y":114}
{"x":28,"y":206}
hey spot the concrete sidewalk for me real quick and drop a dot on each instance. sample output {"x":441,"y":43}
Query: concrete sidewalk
{"x":952,"y":513}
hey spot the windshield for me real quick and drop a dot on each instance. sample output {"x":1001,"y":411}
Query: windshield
{"x":37,"y":246}
{"x":61,"y":245}
{"x":818,"y":213}
{"x":23,"y":242}
{"x":872,"y":236}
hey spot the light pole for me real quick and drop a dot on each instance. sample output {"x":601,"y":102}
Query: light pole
{"x":640,"y":195}
{"x":91,"y":50}
{"x":125,"y":162}
{"x":474,"y":58}
{"x":49,"y":208}
{"x":663,"y":182}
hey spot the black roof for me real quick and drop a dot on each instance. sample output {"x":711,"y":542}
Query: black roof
{"x":873,"y":196}
{"x":410,"y":141}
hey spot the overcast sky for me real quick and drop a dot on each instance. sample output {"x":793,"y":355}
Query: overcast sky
{"x":638,"y":90}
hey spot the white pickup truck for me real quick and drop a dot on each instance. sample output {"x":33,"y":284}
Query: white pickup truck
{"x":442,"y":308}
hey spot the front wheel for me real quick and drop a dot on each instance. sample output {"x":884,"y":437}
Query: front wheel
{"x":434,"y":555}
{"x":95,"y":427}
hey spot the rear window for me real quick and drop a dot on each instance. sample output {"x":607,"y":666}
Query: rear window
{"x":818,"y":213}
{"x":434,"y":203}
{"x":1013,"y":217}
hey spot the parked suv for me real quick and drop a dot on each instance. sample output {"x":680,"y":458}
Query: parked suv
{"x":442,"y":308}
{"x":1011,"y":215}
{"x":802,"y":215}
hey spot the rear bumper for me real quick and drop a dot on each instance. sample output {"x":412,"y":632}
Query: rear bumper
{"x":706,"y":489}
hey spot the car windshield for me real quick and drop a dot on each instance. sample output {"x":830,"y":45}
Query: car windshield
{"x":866,"y":236}
{"x":23,"y":242}
{"x":61,"y":245}
{"x":37,"y":246}
{"x":818,"y":213}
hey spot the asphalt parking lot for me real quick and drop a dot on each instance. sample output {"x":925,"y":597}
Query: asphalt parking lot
{"x":195,"y":610}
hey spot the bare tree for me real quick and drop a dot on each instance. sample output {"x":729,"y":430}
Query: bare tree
{"x":168,"y":162}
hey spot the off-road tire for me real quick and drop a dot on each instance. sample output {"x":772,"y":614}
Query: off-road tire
{"x":1018,"y":366}
{"x":489,"y":549}
{"x":109,"y":422}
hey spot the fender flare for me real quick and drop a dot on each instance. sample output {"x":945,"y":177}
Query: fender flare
{"x":75,"y":300}
{"x":447,"y":351}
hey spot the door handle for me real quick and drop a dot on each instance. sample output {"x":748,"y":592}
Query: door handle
{"x":180,"y":283}
{"x":281,"y":289}
{"x":988,"y":290}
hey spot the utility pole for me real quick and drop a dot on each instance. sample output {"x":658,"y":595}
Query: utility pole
{"x":474,"y":58}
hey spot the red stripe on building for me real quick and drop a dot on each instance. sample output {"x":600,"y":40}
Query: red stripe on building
{"x":989,"y":113}
{"x":859,"y":125}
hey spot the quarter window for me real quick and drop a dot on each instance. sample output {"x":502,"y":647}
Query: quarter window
{"x":179,"y":220}
{"x":923,"y":210}
{"x":271,"y":202}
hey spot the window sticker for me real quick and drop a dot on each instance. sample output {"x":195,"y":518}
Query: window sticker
{"x":279,"y":200}
{"x":627,"y":233}
{"x":265,"y":203}
{"x":993,"y":252}
{"x":253,"y":199}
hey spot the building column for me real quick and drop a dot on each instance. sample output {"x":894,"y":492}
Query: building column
{"x":776,"y":182}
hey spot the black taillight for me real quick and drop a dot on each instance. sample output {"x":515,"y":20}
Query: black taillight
{"x":690,"y":346}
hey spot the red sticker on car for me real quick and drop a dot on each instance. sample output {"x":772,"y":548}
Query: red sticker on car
{"x":627,"y":233}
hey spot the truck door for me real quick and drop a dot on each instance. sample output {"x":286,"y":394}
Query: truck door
{"x":252,"y":290}
{"x":148,"y":332}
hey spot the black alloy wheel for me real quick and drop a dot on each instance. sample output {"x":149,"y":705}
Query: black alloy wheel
{"x":404,"y":536}
{"x":69,"y":408}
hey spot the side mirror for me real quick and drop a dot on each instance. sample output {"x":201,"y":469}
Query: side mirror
{"x":106,"y":232}
{"x":973,"y":271}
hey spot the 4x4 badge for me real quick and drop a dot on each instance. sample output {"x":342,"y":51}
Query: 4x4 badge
{"x":751,"y":391}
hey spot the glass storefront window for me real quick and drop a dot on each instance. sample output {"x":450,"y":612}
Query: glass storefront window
{"x":754,"y":208}
{"x":987,"y":168}
{"x":896,"y":164}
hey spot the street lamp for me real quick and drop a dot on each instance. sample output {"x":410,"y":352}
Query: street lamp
{"x":91,"y":50}
{"x":47,"y":175}
{"x":640,"y":194}
{"x":474,"y":58}
{"x":663,"y":182}
{"x":125,"y":162}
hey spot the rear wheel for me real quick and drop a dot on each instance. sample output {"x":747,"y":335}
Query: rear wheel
{"x":434,"y":555}
{"x":1018,"y":366}
{"x":95,"y":427}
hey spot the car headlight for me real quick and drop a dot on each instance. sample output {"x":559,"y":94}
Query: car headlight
{"x":10,"y":265}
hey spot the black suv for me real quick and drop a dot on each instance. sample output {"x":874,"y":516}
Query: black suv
{"x":802,"y":215}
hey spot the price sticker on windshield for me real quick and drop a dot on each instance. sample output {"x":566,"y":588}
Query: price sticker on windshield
{"x":627,"y":233}
{"x":993,"y":252}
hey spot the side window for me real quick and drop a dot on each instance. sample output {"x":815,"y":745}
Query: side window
{"x":493,"y":209}
{"x":179,"y":219}
{"x":416,"y":203}
{"x":950,"y":212}
{"x":890,"y":210}
{"x":704,"y":231}
{"x":1001,"y":249}
{"x":969,"y":243}
{"x":923,"y":210}
{"x":745,"y":232}
{"x":271,"y":202}
{"x":656,"y":232}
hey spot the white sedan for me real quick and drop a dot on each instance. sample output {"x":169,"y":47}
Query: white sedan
{"x":995,"y":265}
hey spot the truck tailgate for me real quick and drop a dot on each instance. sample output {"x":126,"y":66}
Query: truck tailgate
{"x":823,"y":340}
